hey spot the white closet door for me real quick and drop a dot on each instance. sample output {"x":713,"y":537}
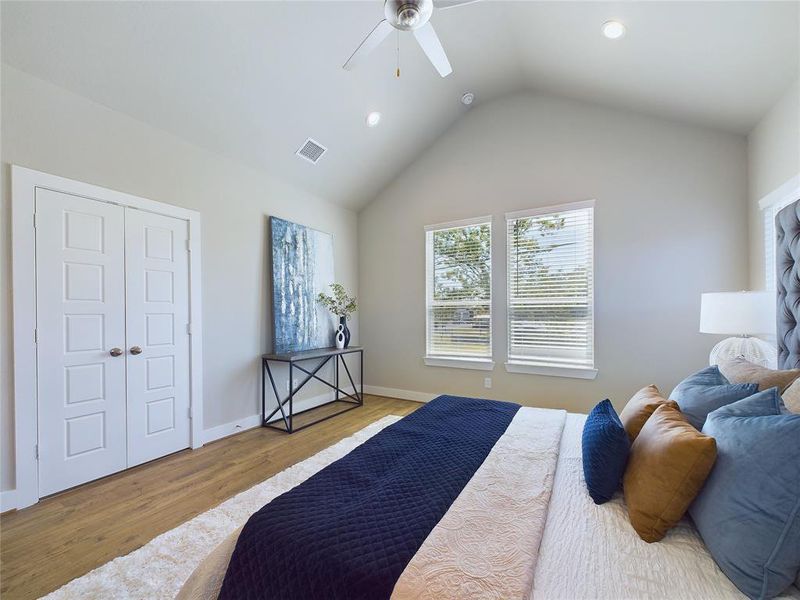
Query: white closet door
{"x":80,"y":322}
{"x":157,"y":277}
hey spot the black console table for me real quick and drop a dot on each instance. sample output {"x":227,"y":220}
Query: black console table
{"x":293,"y":360}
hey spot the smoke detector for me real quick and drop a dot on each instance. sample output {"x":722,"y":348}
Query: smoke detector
{"x":467,"y":98}
{"x":311,"y":151}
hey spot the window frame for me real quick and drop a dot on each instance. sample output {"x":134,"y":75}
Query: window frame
{"x":455,"y":361}
{"x":539,"y":367}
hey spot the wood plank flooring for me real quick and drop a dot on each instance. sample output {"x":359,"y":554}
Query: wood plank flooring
{"x":69,"y":534}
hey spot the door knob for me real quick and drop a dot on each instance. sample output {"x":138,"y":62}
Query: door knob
{"x":136,"y":350}
{"x":115,"y":351}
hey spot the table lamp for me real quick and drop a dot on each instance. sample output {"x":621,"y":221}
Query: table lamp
{"x":741,"y":314}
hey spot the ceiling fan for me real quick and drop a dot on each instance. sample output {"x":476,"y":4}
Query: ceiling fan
{"x":409,"y":15}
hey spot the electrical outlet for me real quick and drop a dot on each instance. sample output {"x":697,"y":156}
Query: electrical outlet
{"x":487,"y":383}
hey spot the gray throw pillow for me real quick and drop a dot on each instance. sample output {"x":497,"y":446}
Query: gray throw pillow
{"x":706,"y":391}
{"x":748,"y":512}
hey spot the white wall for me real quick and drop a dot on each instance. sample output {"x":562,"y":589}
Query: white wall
{"x":671,"y":222}
{"x":49,"y":129}
{"x":773,"y":158}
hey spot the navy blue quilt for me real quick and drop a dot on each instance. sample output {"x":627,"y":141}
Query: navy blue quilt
{"x":350,"y":530}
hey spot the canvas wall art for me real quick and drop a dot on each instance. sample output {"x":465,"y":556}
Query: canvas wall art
{"x":302,"y":266}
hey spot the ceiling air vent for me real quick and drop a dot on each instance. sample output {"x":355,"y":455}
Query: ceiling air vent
{"x":311,"y":151}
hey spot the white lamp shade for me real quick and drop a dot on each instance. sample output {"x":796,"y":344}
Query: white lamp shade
{"x":737,"y":313}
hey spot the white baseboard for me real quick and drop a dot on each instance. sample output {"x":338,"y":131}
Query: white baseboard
{"x":221,"y":431}
{"x":226,"y":429}
{"x":397,"y":393}
{"x":8,"y":500}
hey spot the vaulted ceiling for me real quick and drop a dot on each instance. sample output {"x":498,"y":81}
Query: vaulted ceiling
{"x":252,"y":81}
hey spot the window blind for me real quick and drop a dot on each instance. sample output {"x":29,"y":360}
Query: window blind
{"x":551,"y":286}
{"x":459,"y":295}
{"x":770,"y":206}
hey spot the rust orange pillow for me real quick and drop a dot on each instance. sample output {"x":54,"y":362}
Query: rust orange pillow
{"x":639,"y":408}
{"x":668,"y":464}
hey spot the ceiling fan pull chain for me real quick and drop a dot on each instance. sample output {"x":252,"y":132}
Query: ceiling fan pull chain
{"x":397,"y":73}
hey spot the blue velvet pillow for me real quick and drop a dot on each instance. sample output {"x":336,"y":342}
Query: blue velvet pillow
{"x":748,"y":512}
{"x":705,"y":392}
{"x":605,"y":452}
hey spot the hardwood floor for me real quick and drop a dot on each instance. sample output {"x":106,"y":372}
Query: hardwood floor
{"x":69,"y":534}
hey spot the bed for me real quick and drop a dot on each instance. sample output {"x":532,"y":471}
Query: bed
{"x":591,"y":551}
{"x":522,"y":526}
{"x":468,"y":498}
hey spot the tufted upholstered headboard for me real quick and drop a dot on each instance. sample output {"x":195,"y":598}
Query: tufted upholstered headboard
{"x":787,"y":284}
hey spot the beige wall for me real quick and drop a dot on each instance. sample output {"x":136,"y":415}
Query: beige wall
{"x":773,"y":158}
{"x":671,"y":222}
{"x":49,"y":129}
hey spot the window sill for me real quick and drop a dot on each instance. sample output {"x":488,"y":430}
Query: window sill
{"x":550,"y":370}
{"x":478,"y":364}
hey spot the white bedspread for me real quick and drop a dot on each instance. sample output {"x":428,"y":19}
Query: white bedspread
{"x":591,"y":551}
{"x":486,"y":545}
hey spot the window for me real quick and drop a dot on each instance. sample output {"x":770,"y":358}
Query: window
{"x":550,"y":290}
{"x":770,"y":206}
{"x":770,"y":212}
{"x":458,"y":261}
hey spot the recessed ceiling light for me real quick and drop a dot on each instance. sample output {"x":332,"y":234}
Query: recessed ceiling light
{"x":467,"y":98}
{"x":373,"y":118}
{"x":613,"y":30}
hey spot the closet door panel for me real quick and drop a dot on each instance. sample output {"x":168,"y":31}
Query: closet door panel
{"x":81,"y":339}
{"x":157,"y":274}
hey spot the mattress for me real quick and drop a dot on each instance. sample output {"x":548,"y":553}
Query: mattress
{"x":591,"y":551}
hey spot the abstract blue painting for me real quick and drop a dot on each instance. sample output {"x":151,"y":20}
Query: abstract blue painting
{"x":302,"y":267}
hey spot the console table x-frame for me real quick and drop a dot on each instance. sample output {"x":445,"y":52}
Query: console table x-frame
{"x":293,"y":360}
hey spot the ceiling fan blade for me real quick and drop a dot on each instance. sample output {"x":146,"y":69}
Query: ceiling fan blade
{"x":429,"y":41}
{"x":443,"y":4}
{"x":372,"y":41}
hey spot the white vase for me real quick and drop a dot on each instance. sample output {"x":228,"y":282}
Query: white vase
{"x":340,"y":339}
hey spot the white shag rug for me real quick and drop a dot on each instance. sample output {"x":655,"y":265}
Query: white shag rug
{"x":159,"y":568}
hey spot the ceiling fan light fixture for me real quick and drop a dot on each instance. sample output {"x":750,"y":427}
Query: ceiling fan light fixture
{"x":613,"y":30}
{"x":408,"y":16}
{"x":373,"y":119}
